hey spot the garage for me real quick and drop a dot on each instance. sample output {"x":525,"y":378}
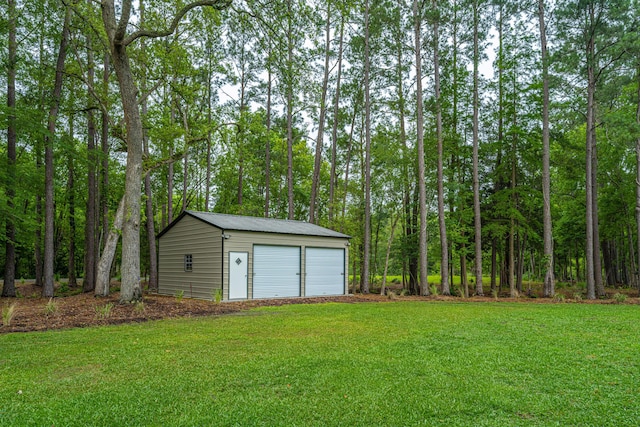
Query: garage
{"x":276,"y":271}
{"x":233,"y":257}
{"x":325,"y":271}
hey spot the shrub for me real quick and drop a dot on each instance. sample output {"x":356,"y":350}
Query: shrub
{"x":8,"y":311}
{"x":619,"y":298}
{"x":138,"y":306}
{"x":577,"y":297}
{"x":50,"y":308}
{"x":63,"y":288}
{"x":104,"y":312}
{"x":558,"y":298}
{"x":179,"y":295}
{"x":217,"y":296}
{"x":433,"y":289}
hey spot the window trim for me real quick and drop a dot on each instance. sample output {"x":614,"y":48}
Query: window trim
{"x":188,"y":263}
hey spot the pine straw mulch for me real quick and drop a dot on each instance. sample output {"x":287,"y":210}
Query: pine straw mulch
{"x":34,"y":313}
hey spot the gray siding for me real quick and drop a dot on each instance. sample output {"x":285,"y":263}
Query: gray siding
{"x":243,"y":241}
{"x":204,"y":242}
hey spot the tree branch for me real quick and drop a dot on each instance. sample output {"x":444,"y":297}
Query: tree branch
{"x":125,"y":15}
{"x":217,"y":4}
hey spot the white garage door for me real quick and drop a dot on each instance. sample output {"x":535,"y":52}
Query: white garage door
{"x":325,"y":271}
{"x":276,"y":271}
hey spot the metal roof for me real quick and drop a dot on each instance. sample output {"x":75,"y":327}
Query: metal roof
{"x":264,"y":225}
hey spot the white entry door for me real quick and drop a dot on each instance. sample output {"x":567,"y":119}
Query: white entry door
{"x":325,"y":272}
{"x":276,"y":271}
{"x":238,"y":269}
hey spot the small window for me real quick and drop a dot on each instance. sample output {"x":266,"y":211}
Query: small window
{"x":188,"y":262}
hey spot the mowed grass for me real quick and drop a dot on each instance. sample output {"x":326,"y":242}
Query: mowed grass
{"x":369,"y":364}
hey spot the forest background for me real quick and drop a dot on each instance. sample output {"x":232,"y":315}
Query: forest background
{"x":371,"y":118}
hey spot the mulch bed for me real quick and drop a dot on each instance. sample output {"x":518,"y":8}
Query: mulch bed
{"x":83,"y":310}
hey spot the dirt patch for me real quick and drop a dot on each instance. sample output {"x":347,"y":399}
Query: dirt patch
{"x":34,"y":313}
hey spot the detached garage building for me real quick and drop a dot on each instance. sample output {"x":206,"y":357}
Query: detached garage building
{"x":201,"y":253}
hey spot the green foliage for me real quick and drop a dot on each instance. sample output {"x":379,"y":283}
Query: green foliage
{"x":302,"y":365}
{"x":63,"y":289}
{"x":104,"y":311}
{"x":558,"y":298}
{"x":138,"y":306}
{"x":434,"y":289}
{"x":217,"y":296}
{"x":179,"y":295}
{"x":50,"y":307}
{"x":8,"y":312}
{"x":619,"y":297}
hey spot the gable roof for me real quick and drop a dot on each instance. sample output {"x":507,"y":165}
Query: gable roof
{"x":258,"y":224}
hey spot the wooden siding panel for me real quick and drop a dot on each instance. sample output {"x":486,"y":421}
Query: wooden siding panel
{"x":204,"y":243}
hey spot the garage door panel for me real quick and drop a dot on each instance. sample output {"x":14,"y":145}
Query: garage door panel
{"x":276,"y":271}
{"x":324,"y":269}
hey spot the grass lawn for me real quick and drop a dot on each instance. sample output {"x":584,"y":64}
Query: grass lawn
{"x":368,"y":364}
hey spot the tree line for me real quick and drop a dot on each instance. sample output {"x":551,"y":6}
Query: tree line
{"x":466,"y":138}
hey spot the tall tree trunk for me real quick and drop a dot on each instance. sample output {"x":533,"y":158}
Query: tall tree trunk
{"x":348,"y":165}
{"x":388,"y":253}
{"x":170,"y":176}
{"x":410,"y":257}
{"x":334,"y":133}
{"x":49,"y":229}
{"x":9,"y":287}
{"x":289,"y":89}
{"x":476,"y":143}
{"x":38,"y":232}
{"x":494,"y":263}
{"x":105,"y":153}
{"x":315,"y":182}
{"x":150,"y":218}
{"x":414,"y":263}
{"x":422,"y":196}
{"x":638,"y":178}
{"x":267,"y":149}
{"x":514,"y":200}
{"x":185,"y":178}
{"x":464,"y":281}
{"x":103,"y":272}
{"x":366,"y":241}
{"x":444,"y":246}
{"x":522,"y":244}
{"x":597,"y":262}
{"x":589,"y":250}
{"x":39,"y":153}
{"x":150,"y":228}
{"x":71,"y":200}
{"x":185,"y":166}
{"x":90,"y":246}
{"x":118,"y":41}
{"x":632,"y":277}
{"x":500,"y":184}
{"x":239,"y":193}
{"x":549,"y":279}
{"x":130,"y":269}
{"x":207,"y":193}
